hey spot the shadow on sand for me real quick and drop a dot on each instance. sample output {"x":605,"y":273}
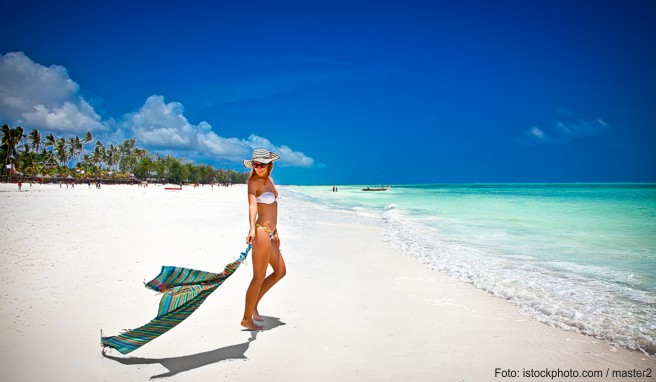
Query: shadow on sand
{"x":176,"y":365}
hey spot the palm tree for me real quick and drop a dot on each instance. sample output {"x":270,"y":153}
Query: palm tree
{"x":112,"y":156}
{"x":50,"y":143}
{"x":128,"y":155}
{"x":83,"y":166}
{"x":71,"y":151}
{"x":4,"y":147}
{"x":87,"y":138}
{"x":11,"y":138}
{"x":62,"y":153}
{"x":98,"y":156}
{"x":138,"y":153}
{"x":30,"y":151}
{"x":58,"y":150}
{"x":34,"y":139}
{"x":34,"y":145}
{"x":75,"y":149}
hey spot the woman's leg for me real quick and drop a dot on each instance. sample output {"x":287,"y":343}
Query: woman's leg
{"x":279,"y":271}
{"x":261,"y":257}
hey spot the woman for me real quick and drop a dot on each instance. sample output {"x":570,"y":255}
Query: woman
{"x":263,"y":234}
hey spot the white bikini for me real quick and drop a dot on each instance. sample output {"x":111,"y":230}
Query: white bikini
{"x":266,"y":198}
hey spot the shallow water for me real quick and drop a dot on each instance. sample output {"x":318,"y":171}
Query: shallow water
{"x":580,"y":257}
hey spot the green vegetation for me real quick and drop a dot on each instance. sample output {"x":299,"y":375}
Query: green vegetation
{"x":32,"y":156}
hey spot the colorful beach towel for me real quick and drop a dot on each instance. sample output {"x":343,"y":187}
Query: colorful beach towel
{"x":184,"y":290}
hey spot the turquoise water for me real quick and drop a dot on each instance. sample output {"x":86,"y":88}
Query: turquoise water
{"x":581,"y":257}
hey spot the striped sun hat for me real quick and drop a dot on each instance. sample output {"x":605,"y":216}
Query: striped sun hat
{"x":261,"y":156}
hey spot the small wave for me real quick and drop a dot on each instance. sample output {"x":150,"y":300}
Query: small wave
{"x":562,"y":295}
{"x":591,"y":299}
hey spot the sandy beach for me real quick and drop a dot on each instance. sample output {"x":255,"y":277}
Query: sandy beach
{"x":351,"y":307}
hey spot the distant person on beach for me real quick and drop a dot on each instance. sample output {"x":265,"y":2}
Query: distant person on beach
{"x":20,"y":185}
{"x":263,"y":234}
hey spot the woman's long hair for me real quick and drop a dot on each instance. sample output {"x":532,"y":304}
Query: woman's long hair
{"x":266,"y":176}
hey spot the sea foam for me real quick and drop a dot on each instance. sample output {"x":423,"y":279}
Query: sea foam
{"x":558,"y":294}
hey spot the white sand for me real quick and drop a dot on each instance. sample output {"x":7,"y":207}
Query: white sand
{"x":351,"y":307}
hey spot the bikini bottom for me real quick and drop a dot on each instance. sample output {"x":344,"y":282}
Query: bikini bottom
{"x":267,"y":229}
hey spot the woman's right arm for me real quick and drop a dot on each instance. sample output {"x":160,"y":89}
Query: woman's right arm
{"x":252,"y":212}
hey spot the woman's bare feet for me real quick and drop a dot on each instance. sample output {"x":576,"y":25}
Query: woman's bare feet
{"x":257,"y":317}
{"x":250,"y":325}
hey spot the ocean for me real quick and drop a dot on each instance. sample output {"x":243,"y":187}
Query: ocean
{"x":580,"y":257}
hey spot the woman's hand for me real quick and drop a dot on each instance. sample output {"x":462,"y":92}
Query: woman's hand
{"x":276,"y":238}
{"x":250,"y":238}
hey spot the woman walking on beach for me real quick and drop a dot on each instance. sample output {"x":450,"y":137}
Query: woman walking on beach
{"x":263,"y":234}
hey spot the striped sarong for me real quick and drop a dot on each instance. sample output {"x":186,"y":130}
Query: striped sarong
{"x":184,"y":290}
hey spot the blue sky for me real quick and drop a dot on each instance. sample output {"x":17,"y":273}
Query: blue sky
{"x":349,"y":92}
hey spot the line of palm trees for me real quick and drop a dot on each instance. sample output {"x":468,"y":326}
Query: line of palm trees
{"x":33,"y":155}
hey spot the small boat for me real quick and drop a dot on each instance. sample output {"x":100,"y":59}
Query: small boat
{"x":177,"y":188}
{"x":374,"y":189}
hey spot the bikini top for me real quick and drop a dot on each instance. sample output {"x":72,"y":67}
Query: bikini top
{"x":266,"y":198}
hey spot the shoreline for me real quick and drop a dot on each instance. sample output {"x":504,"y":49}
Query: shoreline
{"x":474,"y":184}
{"x":499,"y":239}
{"x":351,"y":307}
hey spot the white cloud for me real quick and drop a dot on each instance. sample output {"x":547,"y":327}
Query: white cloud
{"x":46,"y":98}
{"x":585,"y":128}
{"x":43,"y":97}
{"x":288,"y":157}
{"x":564,"y":131}
{"x":537,"y":133}
{"x":161,"y":125}
{"x":534,"y":135}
